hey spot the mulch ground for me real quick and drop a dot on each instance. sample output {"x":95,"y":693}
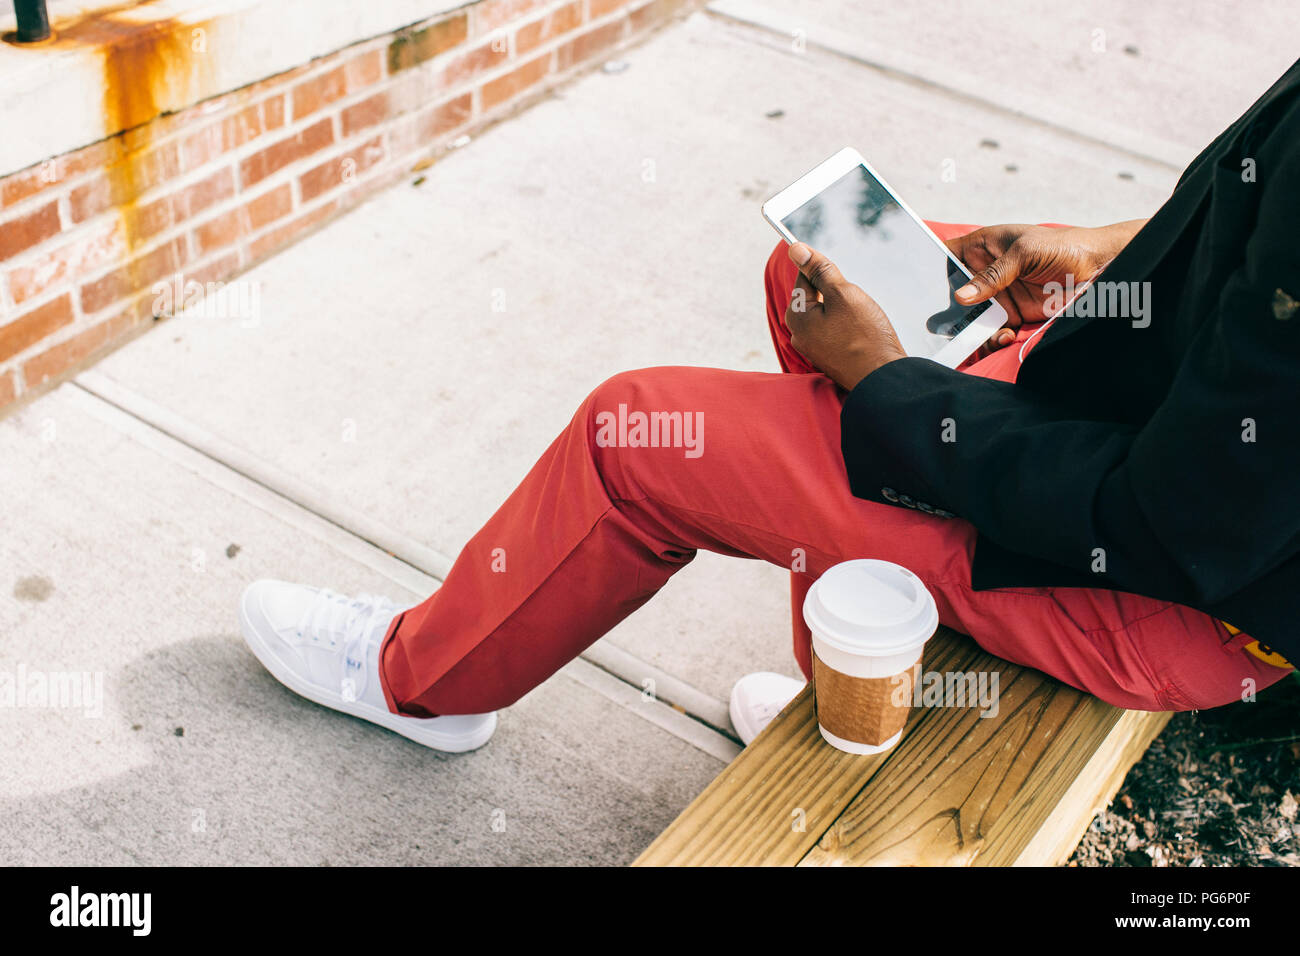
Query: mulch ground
{"x":1217,"y":788}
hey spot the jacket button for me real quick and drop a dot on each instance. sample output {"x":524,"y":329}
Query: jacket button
{"x":944,"y":514}
{"x":926,"y":507}
{"x":907,"y":500}
{"x":889,"y":494}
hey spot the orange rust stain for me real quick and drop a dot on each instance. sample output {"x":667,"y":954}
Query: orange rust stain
{"x":146,"y":62}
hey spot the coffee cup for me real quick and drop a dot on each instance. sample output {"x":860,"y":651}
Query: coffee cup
{"x":870,"y":621}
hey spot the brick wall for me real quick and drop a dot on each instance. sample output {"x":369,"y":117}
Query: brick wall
{"x":206,"y":192}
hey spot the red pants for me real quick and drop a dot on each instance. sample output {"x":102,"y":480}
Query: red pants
{"x":601,"y":522}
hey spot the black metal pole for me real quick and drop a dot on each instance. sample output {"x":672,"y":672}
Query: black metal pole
{"x":33,"y":21}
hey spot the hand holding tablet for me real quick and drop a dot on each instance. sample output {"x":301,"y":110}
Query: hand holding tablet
{"x":834,"y":324}
{"x":847,"y":214}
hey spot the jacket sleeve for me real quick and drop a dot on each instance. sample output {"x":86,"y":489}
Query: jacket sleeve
{"x":1194,"y":505}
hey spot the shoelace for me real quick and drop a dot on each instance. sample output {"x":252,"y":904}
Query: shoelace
{"x":356,"y":620}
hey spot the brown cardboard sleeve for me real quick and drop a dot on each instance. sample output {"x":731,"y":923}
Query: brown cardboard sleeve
{"x":864,"y":710}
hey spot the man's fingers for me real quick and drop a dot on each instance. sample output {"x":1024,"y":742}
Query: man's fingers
{"x":960,"y":245}
{"x":819,"y":270}
{"x":803,"y":299}
{"x":1020,"y":303}
{"x":998,"y":340}
{"x":805,"y":294}
{"x":990,"y":280}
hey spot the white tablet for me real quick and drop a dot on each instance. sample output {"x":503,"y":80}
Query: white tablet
{"x":846,"y":211}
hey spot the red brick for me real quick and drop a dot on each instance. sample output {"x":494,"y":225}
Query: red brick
{"x":268,"y":207}
{"x":90,"y":199}
{"x":196,"y":197}
{"x":8,"y":388}
{"x":145,"y":170}
{"x":23,"y":232}
{"x":471,"y":64}
{"x":515,"y":82}
{"x":365,"y":69}
{"x":494,"y":13}
{"x":221,"y":231}
{"x":444,"y":117}
{"x":148,"y":221}
{"x":162,"y":214}
{"x":273,"y":113}
{"x":19,"y":186}
{"x":29,"y":328}
{"x":340,"y":170}
{"x":199,"y":149}
{"x":319,"y":92}
{"x":279,"y":155}
{"x":591,"y":44}
{"x":68,"y":354}
{"x":411,"y":47}
{"x":243,"y":127}
{"x":532,"y":35}
{"x":290,"y":232}
{"x":52,"y":172}
{"x":369,"y":112}
{"x":134,"y":277}
{"x":231,"y":132}
{"x":228,"y":228}
{"x":416,"y":130}
{"x":124,"y":177}
{"x":89,"y":251}
{"x":601,"y":7}
{"x":138,"y":171}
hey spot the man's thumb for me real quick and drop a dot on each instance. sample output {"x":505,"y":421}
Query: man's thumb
{"x":817,"y":269}
{"x":989,"y":281}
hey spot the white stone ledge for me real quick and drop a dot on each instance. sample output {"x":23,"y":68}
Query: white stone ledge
{"x":53,"y":97}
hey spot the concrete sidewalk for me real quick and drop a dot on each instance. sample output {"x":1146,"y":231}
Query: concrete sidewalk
{"x":413,"y":359}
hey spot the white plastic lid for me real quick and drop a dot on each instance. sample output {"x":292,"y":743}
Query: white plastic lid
{"x":870,"y":607}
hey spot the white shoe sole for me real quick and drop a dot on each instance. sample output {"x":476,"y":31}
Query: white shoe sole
{"x":417,"y":729}
{"x":742,"y":727}
{"x":741,"y":720}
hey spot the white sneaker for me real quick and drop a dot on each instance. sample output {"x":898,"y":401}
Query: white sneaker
{"x":325,"y":647}
{"x":757,"y":699}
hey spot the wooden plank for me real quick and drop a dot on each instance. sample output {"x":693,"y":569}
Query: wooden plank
{"x":788,"y":786}
{"x":965,"y":790}
{"x":1094,"y":788}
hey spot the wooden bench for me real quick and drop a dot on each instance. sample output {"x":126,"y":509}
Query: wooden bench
{"x":959,"y":790}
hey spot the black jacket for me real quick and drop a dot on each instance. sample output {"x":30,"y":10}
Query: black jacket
{"x":1122,"y":457}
